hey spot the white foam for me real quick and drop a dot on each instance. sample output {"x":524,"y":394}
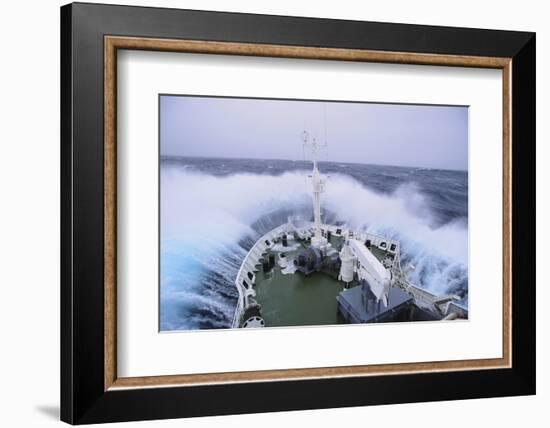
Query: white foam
{"x":204,"y":217}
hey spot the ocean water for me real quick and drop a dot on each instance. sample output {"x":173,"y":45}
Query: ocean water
{"x":213,"y":210}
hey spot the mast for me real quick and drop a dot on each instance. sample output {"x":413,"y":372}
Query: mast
{"x":318,"y":187}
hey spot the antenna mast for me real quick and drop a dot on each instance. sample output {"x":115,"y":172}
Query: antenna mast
{"x":318,"y":187}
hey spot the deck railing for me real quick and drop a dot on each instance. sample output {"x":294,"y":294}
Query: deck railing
{"x":249,"y":264}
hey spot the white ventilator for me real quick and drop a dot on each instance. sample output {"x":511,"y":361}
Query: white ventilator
{"x":348,"y":264}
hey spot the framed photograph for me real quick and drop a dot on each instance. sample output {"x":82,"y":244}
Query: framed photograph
{"x":265,"y":213}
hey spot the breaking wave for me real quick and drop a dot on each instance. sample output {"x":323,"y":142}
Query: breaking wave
{"x":209,"y":222}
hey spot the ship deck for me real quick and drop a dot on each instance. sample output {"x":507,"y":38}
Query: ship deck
{"x":289,"y":297}
{"x":298,"y":300}
{"x":295,"y":299}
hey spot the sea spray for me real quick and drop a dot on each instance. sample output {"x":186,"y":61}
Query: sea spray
{"x":212,"y":213}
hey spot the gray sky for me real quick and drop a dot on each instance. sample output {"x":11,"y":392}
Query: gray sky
{"x":386,"y":134}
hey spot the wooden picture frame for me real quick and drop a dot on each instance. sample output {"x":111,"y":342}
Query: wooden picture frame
{"x":91,"y":390}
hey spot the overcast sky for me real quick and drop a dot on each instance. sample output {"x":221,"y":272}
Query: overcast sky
{"x":385,"y":134}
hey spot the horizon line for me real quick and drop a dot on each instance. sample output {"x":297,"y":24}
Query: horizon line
{"x":307,"y":160}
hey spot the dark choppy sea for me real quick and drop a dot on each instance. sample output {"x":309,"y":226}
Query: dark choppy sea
{"x":213,"y":210}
